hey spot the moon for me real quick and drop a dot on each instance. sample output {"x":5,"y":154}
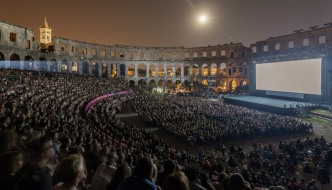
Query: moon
{"x":202,"y":18}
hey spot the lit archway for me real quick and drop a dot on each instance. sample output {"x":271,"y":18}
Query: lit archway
{"x":74,"y":67}
{"x":177,"y":70}
{"x":214,"y":69}
{"x":152,"y":71}
{"x":64,"y":66}
{"x":141,"y":70}
{"x":195,"y":69}
{"x":169,"y":70}
{"x":222,"y":69}
{"x":28,"y":63}
{"x":160,"y":71}
{"x":131,"y":70}
{"x":14,"y":61}
{"x":205,"y":70}
{"x":104,"y":69}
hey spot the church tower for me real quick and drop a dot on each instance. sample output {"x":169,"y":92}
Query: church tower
{"x":45,"y":35}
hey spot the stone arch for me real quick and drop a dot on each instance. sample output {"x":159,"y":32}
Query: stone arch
{"x":222,"y":85}
{"x":214,"y":69}
{"x":177,"y":70}
{"x":42,"y":64}
{"x":64,"y":66}
{"x":169,"y":84}
{"x":85,"y":68}
{"x":161,"y":83}
{"x":2,"y":56}
{"x":243,"y":83}
{"x":104,"y":68}
{"x":132,"y":83}
{"x":222,"y":69}
{"x":28,"y":63}
{"x":141,"y":70}
{"x":195,"y":69}
{"x":14,"y":61}
{"x":122,"y":70}
{"x":178,"y":84}
{"x":74,"y":67}
{"x":186,"y":70}
{"x":232,"y":85}
{"x":205,"y":70}
{"x":205,"y":82}
{"x":113,"y":69}
{"x":131,"y":70}
{"x":186,"y":84}
{"x":142,"y":83}
{"x":169,"y":70}
{"x":95,"y":69}
{"x":152,"y":70}
{"x":153,"y":83}
{"x":160,"y":71}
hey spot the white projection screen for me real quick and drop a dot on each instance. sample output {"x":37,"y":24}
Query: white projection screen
{"x":301,"y":76}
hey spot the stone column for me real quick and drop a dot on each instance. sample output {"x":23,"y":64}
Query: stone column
{"x":136,"y":69}
{"x":157,"y":70}
{"x":70,"y":67}
{"x":147,"y":70}
{"x":165,"y":70}
{"x":118,"y":69}
{"x":80,"y":67}
{"x":100,"y":69}
{"x":126,"y":69}
{"x":173,"y":71}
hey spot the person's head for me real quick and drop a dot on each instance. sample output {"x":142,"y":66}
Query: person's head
{"x":192,"y":173}
{"x":43,"y":149}
{"x":144,"y":168}
{"x":7,"y":140}
{"x":177,"y":180}
{"x":11,"y":162}
{"x":72,"y":168}
{"x":169,"y":166}
{"x":122,"y":171}
{"x":236,"y":182}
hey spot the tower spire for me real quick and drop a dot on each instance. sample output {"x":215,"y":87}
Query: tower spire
{"x":45,"y":23}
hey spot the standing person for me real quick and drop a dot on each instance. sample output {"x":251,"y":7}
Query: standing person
{"x":141,"y":179}
{"x":72,"y":171}
{"x":36,"y":174}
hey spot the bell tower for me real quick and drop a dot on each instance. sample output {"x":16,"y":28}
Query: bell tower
{"x":45,"y":35}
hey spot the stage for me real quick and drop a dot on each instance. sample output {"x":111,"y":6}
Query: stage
{"x":278,"y":106}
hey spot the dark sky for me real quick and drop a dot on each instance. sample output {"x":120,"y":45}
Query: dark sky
{"x":168,"y":22}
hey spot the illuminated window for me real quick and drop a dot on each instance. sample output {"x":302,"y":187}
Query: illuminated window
{"x":223,"y":52}
{"x":73,"y":49}
{"x":103,"y":53}
{"x":214,"y":53}
{"x":306,"y":42}
{"x":94,"y":52}
{"x":265,"y":48}
{"x":195,"y":54}
{"x":12,"y":37}
{"x":322,"y":39}
{"x":277,"y":46}
{"x":84,"y":51}
{"x":204,"y":54}
{"x":113,"y":53}
{"x":254,"y":49}
{"x":27,"y":44}
{"x":291,"y":44}
{"x":63,"y":47}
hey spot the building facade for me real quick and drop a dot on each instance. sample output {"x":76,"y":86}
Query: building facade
{"x":221,"y":67}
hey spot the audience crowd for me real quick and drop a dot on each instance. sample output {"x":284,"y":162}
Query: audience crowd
{"x":48,"y":141}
